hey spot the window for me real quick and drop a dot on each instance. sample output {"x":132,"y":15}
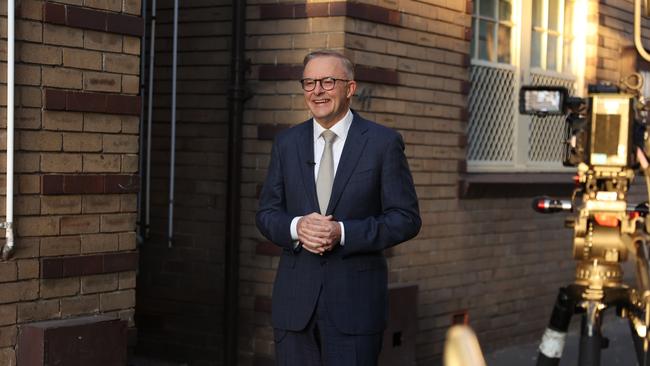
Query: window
{"x":492,"y":19}
{"x":548,"y":41}
{"x":519,"y":42}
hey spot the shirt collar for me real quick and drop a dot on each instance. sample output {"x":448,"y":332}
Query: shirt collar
{"x":340,"y":128}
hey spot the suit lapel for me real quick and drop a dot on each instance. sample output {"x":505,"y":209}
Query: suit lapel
{"x":354,"y":146}
{"x":305,"y":148}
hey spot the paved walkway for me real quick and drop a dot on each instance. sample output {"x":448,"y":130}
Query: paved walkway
{"x":620,"y":351}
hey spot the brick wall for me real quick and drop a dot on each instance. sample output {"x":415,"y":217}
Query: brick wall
{"x":276,"y":46}
{"x":616,"y":56}
{"x":491,"y":257}
{"x":181,"y":289}
{"x":615,"y":31}
{"x":76,"y":163}
{"x":76,"y":169}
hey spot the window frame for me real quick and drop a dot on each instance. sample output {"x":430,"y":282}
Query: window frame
{"x":476,"y":21}
{"x":545,"y":31}
{"x":520,"y":63}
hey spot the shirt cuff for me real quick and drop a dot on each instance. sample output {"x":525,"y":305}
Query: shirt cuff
{"x":342,"y":242}
{"x":294,"y":231}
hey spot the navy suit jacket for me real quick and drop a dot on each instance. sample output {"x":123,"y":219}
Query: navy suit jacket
{"x":373,"y":195}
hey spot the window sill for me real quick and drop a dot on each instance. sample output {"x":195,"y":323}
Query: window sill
{"x":507,"y":185}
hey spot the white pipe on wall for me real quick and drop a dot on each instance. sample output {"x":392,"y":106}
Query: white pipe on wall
{"x":152,"y":53}
{"x":637,"y":31}
{"x":9,"y":245}
{"x":172,"y":162}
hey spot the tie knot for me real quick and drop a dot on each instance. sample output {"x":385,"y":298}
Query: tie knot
{"x":328,"y":136}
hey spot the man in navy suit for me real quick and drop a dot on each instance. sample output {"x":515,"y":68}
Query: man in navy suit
{"x":338,"y":192}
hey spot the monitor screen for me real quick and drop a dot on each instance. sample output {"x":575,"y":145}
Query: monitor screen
{"x":545,"y":101}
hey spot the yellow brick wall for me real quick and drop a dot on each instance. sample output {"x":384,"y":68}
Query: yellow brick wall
{"x":55,"y":142}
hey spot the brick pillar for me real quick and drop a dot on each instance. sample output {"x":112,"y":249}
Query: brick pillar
{"x":77,"y":120}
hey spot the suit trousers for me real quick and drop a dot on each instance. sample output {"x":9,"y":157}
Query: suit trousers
{"x":322,"y":344}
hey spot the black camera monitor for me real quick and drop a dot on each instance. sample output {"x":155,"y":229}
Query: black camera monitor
{"x":542,"y":101}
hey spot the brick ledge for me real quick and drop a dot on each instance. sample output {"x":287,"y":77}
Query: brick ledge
{"x":83,"y":265}
{"x":80,"y":101}
{"x":80,"y":17}
{"x":368,"y":12}
{"x":508,"y":185}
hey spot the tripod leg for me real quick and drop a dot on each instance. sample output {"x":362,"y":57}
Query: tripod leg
{"x":591,"y":339}
{"x":643,"y":358}
{"x":552,"y":345}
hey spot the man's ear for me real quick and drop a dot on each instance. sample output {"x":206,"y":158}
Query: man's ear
{"x":352,"y":88}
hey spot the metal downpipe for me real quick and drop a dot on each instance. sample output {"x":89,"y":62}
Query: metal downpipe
{"x":235,"y":121}
{"x":141,"y":154}
{"x":152,"y":59}
{"x":637,"y":31}
{"x":172,"y":148}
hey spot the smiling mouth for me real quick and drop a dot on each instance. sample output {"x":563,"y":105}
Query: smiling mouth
{"x":320,"y":101}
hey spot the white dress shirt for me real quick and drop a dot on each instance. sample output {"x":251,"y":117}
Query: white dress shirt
{"x":341,"y":129}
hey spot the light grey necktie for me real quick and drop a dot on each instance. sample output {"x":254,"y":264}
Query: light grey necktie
{"x":325,"y":172}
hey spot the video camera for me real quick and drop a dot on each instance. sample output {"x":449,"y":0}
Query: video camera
{"x":606,"y":140}
{"x":603,"y":132}
{"x":601,"y":129}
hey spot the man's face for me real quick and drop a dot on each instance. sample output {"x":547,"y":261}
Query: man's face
{"x":328,"y":106}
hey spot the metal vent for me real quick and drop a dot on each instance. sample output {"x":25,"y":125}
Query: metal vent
{"x":546,"y":138}
{"x":491,"y":122}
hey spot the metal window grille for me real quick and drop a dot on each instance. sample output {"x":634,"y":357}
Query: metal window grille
{"x":491,"y":123}
{"x":546,"y":135}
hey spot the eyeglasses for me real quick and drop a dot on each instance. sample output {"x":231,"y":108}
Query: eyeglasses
{"x":327,"y":83}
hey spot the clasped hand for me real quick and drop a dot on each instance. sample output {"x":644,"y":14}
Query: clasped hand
{"x":318,"y":233}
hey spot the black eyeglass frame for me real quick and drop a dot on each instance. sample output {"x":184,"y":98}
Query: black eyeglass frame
{"x":316,"y":81}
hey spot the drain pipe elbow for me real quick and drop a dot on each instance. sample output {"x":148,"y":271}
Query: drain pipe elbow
{"x":8,"y":249}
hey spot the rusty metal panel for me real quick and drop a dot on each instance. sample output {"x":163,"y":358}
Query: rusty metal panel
{"x":83,"y":341}
{"x":399,"y":336}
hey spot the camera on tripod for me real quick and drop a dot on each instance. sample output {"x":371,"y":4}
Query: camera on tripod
{"x":605,"y":140}
{"x":600,"y":140}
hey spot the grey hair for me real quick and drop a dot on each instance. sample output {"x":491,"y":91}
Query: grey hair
{"x":346,"y":62}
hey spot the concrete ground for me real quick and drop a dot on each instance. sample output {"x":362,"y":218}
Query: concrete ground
{"x":619,"y":352}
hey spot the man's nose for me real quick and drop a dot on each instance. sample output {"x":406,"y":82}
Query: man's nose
{"x":319,"y":88}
